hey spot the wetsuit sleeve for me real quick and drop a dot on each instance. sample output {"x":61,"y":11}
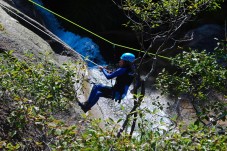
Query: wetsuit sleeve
{"x":114,"y":74}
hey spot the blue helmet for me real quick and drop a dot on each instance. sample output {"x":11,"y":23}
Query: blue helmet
{"x":128,"y":57}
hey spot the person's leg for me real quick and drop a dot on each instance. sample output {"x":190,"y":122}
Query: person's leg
{"x":94,"y":100}
{"x":96,"y":92}
{"x":87,"y":105}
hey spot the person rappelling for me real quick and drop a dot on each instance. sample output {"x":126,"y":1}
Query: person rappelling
{"x":124,"y":77}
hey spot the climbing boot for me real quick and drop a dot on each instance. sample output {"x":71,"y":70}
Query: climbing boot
{"x":84,"y":106}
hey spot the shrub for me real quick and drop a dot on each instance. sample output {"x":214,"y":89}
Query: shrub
{"x":31,"y":92}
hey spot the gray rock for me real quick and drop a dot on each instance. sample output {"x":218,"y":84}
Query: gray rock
{"x":21,"y":33}
{"x":204,"y":37}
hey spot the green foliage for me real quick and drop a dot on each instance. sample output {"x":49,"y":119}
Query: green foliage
{"x":29,"y":101}
{"x":191,"y":138}
{"x":198,"y":74}
{"x":43,"y":84}
{"x":152,"y":13}
{"x":31,"y":92}
{"x":194,"y":138}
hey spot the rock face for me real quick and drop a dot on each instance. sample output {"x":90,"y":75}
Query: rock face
{"x":204,"y":37}
{"x":21,"y":33}
{"x":16,"y":37}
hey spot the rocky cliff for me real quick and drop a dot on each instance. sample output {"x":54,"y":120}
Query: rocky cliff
{"x":22,"y":34}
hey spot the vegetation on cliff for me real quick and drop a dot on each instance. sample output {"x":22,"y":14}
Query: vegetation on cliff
{"x":37,"y":98}
{"x":33,"y":95}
